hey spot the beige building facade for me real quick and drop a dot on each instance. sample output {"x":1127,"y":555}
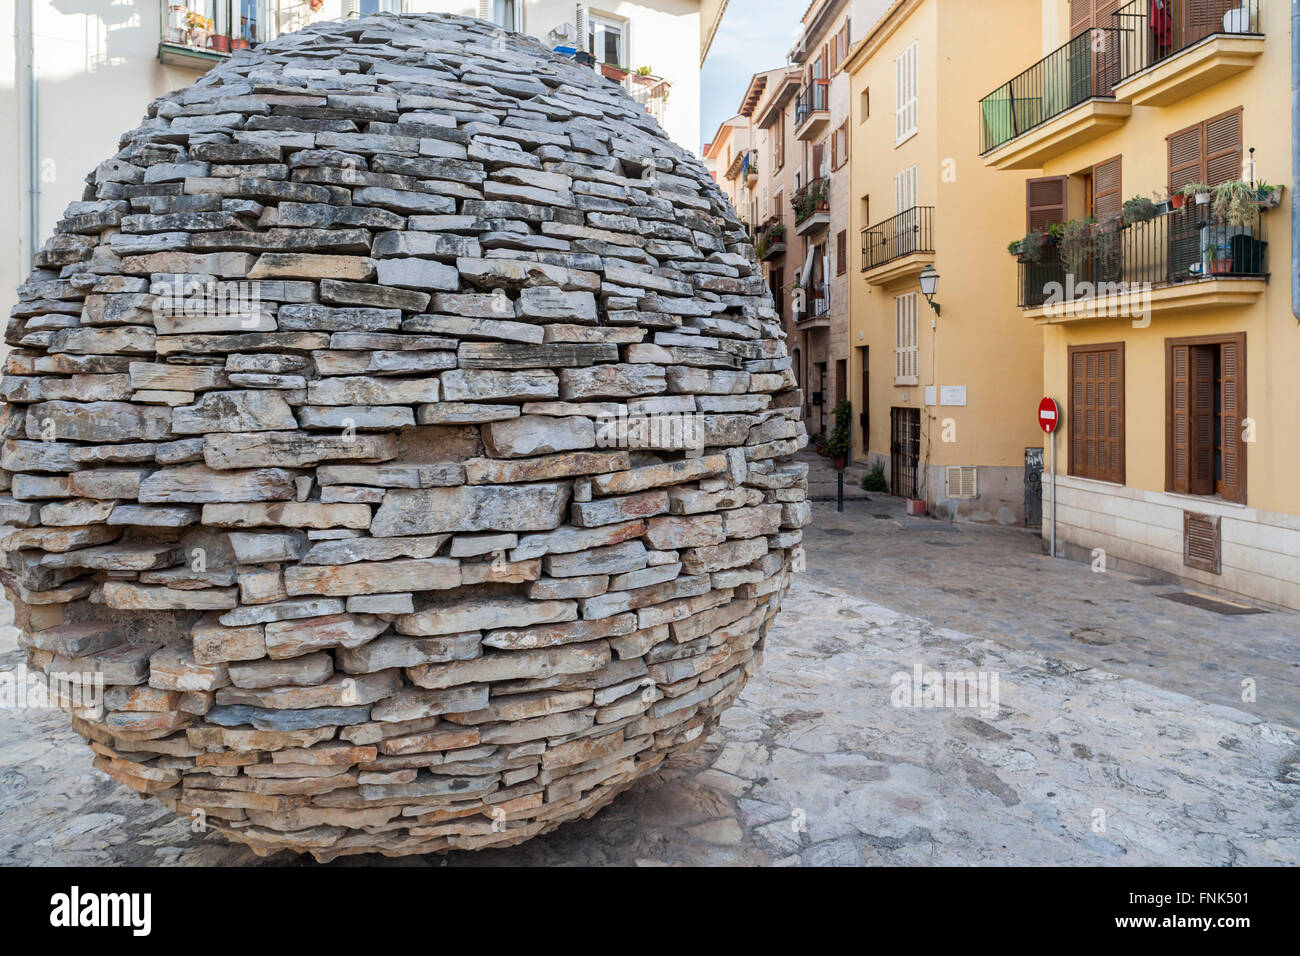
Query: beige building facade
{"x":943,"y":397}
{"x":1170,"y":340}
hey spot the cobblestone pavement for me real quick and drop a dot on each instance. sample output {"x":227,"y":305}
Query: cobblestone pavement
{"x":1123,"y":748}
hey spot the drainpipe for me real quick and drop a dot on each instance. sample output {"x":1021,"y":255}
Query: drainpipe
{"x":1295,"y":158}
{"x":34,"y":142}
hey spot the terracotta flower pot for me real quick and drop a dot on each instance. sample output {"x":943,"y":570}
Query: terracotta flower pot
{"x":1221,"y":267}
{"x":840,"y":462}
{"x":1178,"y":200}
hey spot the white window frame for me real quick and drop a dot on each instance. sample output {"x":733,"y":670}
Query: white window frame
{"x":906,"y":340}
{"x":596,"y":27}
{"x":905,"y":106}
{"x":487,"y":11}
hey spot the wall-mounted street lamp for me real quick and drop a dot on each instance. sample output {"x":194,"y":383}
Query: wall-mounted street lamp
{"x":929,"y":279}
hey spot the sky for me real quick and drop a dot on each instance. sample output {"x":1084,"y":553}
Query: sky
{"x":754,"y":35}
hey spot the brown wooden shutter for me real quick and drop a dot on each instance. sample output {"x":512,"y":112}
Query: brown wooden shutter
{"x":1200,"y":419}
{"x":841,"y":252}
{"x":1223,"y":148}
{"x":1178,"y":374}
{"x":1044,"y":202}
{"x":1232,"y":371}
{"x":1096,"y":413}
{"x":1186,"y":158}
{"x":1106,"y":188}
{"x":1080,"y":16}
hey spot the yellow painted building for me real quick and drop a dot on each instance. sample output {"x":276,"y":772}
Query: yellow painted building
{"x":944,"y":401}
{"x":1169,"y":335}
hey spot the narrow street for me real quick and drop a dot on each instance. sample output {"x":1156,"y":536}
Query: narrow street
{"x":1119,"y":736}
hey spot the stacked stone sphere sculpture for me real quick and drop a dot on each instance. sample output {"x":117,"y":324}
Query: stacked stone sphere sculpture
{"x":401,"y":432}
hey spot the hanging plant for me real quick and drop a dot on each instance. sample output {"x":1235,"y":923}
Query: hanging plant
{"x":1076,"y":245}
{"x":1139,"y":209}
{"x":1234,"y":203}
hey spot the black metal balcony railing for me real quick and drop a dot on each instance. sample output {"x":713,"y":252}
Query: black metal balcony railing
{"x":1184,"y":246}
{"x":909,"y":232}
{"x":813,"y":98}
{"x":819,"y":301}
{"x":1085,"y":68}
{"x":811,"y":200}
{"x":1154,"y":32}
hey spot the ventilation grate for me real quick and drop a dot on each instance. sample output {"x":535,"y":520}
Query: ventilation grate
{"x":962,"y":481}
{"x":1202,"y":543}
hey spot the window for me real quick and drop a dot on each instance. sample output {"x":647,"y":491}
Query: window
{"x":865,"y":204}
{"x":840,"y":47}
{"x":905,"y":119}
{"x":777,"y":199}
{"x":1206,"y":401}
{"x":1106,"y":189}
{"x":776,"y":282}
{"x":864,"y":105}
{"x":905,"y":190}
{"x":906,"y":349}
{"x":818,"y":168}
{"x":1095,"y":415}
{"x":842,"y":253}
{"x":778,"y":142}
{"x":1208,"y":152}
{"x":507,"y":14}
{"x":840,"y":146}
{"x":1045,"y":202}
{"x":607,"y":40}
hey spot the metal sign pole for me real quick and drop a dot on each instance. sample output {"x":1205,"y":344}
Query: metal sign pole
{"x":1052,"y":436}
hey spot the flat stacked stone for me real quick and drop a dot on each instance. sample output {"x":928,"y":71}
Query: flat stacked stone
{"x":353,"y":556}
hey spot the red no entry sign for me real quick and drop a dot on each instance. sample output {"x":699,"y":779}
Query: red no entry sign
{"x":1049,"y":416}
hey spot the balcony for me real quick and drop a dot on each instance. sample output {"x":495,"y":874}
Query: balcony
{"x":770,"y":240}
{"x":812,"y":206}
{"x":650,"y":91}
{"x":1064,"y":99}
{"x":744,"y":165}
{"x":818,"y":310}
{"x":198,"y":33}
{"x":1197,"y":43}
{"x":812,"y":110}
{"x":1186,"y":259}
{"x":900,"y":247}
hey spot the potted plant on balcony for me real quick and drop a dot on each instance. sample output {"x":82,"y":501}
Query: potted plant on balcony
{"x":1201,"y":191}
{"x":1077,"y":238}
{"x":1219,"y":256}
{"x":1267,"y":196}
{"x":1139,"y":209}
{"x":1234,"y":202}
{"x":840,"y":443}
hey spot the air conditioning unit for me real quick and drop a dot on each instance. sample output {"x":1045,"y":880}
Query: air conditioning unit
{"x":962,"y":482}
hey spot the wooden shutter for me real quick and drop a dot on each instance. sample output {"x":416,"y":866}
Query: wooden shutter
{"x":1232,"y":402}
{"x":841,"y":252}
{"x":1080,"y":16}
{"x":1044,"y":202}
{"x":1200,"y":419}
{"x":1223,"y":148}
{"x":1096,"y":412}
{"x":1106,"y":188}
{"x":1178,"y":387}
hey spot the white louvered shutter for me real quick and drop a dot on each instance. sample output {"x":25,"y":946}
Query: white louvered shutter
{"x":905,"y":339}
{"x":905,"y":107}
{"x":485,"y":9}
